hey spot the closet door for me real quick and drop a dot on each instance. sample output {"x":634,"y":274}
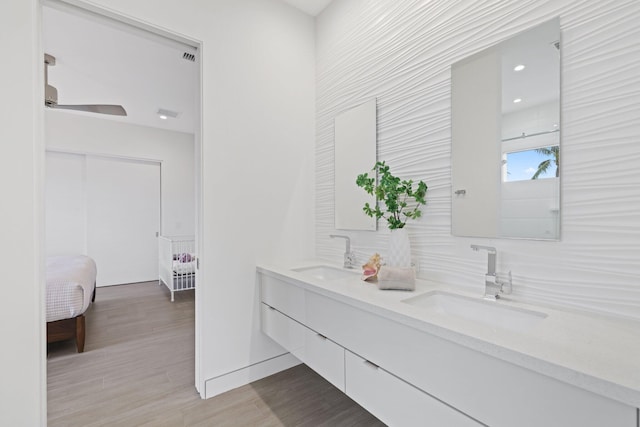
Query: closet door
{"x":65,"y":204}
{"x":123,"y":217}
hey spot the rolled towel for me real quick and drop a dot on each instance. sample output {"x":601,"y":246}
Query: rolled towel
{"x":400,"y":278}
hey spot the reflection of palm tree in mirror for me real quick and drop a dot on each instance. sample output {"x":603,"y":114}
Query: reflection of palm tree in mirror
{"x":554,"y":153}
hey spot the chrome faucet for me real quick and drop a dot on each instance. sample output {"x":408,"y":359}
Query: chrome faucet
{"x":349,"y":257}
{"x":492,"y":286}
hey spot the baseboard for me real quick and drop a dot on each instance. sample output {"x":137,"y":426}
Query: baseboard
{"x":242,"y":376}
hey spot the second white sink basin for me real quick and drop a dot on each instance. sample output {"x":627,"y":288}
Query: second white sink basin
{"x":326,"y":272}
{"x":488,"y":313}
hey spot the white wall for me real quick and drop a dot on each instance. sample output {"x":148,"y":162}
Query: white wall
{"x":22,"y":359}
{"x":529,"y":208}
{"x":539,"y":118}
{"x":79,"y":133}
{"x":258,"y":75}
{"x":257,"y":165}
{"x":401,"y":53}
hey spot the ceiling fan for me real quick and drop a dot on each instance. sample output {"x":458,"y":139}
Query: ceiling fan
{"x":51,"y":96}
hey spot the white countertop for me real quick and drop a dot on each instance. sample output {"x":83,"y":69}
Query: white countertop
{"x":590,"y":351}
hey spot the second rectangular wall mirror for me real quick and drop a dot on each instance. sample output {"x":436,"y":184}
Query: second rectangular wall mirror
{"x":355,"y":153}
{"x":505,"y":151}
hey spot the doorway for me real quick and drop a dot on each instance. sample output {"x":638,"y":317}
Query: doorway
{"x":102,"y":94}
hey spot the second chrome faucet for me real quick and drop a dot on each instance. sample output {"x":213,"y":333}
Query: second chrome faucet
{"x":493,"y":287}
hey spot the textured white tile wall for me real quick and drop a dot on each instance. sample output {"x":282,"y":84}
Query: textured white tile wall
{"x":401,"y":51}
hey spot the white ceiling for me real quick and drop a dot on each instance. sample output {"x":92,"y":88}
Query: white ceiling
{"x":311,"y":7}
{"x":99,"y":61}
{"x":539,"y":82}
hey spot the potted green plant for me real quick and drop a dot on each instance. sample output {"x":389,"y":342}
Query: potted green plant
{"x":402,"y":202}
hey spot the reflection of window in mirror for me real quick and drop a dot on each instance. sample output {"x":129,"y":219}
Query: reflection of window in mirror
{"x":538,"y":163}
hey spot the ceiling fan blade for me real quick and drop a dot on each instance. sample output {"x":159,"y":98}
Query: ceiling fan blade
{"x":114,"y":110}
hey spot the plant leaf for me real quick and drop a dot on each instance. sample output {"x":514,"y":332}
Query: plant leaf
{"x":396,"y":194}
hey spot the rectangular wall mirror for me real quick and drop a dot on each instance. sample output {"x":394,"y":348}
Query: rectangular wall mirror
{"x":355,"y":153}
{"x":505,"y":128}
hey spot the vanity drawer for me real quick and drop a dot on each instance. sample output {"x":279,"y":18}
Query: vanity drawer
{"x":325,"y":357}
{"x":466,"y":379}
{"x":285,"y":297}
{"x":394,"y":401}
{"x":283,"y":330}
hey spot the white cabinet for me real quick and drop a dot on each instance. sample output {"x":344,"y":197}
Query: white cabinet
{"x":419,"y":378}
{"x":325,"y":357}
{"x":283,"y":296}
{"x":494,"y":392}
{"x":283,"y":330}
{"x":394,"y":401}
{"x":315,"y":350}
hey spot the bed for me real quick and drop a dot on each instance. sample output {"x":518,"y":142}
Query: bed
{"x":177,"y":263}
{"x":71,"y":287}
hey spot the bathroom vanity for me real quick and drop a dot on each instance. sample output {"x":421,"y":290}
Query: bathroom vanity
{"x":439,"y":356}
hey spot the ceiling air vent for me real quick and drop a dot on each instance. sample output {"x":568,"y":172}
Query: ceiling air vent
{"x":189,"y":56}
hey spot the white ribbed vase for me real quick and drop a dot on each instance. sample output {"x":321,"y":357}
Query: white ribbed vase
{"x":399,"y":252}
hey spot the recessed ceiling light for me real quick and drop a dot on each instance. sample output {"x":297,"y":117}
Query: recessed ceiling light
{"x":163,"y":117}
{"x":518,"y":67}
{"x":517,"y":100}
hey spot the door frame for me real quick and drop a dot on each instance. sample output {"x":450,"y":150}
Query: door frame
{"x":86,"y":7}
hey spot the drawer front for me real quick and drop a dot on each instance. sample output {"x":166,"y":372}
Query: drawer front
{"x":283,"y":330}
{"x":285,"y":297}
{"x":395,"y":402}
{"x":325,"y":357}
{"x":490,"y":390}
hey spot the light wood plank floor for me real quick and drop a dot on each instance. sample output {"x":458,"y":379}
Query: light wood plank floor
{"x":138,"y":370}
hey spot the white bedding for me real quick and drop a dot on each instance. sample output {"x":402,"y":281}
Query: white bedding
{"x":184,"y":267}
{"x":70,"y":284}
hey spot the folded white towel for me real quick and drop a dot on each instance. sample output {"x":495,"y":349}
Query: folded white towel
{"x":400,"y":278}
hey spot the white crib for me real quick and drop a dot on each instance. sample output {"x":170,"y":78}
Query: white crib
{"x":177,"y":262}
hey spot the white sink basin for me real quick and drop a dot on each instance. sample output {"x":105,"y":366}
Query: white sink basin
{"x":488,"y":313}
{"x":325,"y":272}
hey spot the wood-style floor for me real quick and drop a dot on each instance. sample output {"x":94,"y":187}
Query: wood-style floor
{"x":138,"y":370}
